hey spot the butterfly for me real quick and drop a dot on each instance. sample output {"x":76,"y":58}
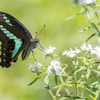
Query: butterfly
{"x":14,"y":39}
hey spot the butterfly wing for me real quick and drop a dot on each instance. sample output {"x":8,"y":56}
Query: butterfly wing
{"x":12,"y":42}
{"x":10,"y":20}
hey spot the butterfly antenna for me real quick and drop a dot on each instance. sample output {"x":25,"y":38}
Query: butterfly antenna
{"x":36,"y":34}
{"x":40,"y":31}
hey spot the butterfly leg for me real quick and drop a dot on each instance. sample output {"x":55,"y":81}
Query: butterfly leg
{"x":33,"y":53}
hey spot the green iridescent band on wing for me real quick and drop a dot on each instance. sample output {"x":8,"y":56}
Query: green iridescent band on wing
{"x":18,"y":42}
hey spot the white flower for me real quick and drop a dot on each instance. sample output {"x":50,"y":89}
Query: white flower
{"x":96,"y":51}
{"x":89,"y":1}
{"x":35,"y":67}
{"x":83,"y":47}
{"x":31,"y":66}
{"x":87,"y":48}
{"x":98,"y":39}
{"x":77,"y":50}
{"x":49,"y":51}
{"x":65,"y":52}
{"x":38,"y":65}
{"x":99,"y":66}
{"x":71,"y":53}
{"x":54,"y":67}
{"x":98,"y":73}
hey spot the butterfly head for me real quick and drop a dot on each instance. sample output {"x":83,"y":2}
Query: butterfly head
{"x":34,"y":43}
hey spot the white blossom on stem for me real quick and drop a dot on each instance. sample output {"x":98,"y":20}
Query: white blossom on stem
{"x":86,"y":47}
{"x":49,"y":51}
{"x":54,"y":67}
{"x":89,"y":1}
{"x":96,"y":51}
{"x":35,"y":67}
{"x":71,"y":53}
{"x":98,"y":73}
{"x":99,"y":66}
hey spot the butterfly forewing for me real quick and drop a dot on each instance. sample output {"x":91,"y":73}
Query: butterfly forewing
{"x":10,"y":20}
{"x":12,"y":42}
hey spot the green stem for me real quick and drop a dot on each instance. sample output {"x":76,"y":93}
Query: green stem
{"x":76,"y":87}
{"x":83,"y":91}
{"x":96,"y":14}
{"x":52,"y":57}
{"x":61,"y":79}
{"x":49,"y":89}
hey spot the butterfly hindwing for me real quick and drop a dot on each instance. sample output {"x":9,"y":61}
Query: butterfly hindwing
{"x":12,"y":42}
{"x":10,"y":20}
{"x":7,"y":46}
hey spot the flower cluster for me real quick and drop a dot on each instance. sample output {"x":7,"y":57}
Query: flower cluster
{"x":96,"y":51}
{"x":86,"y":1}
{"x":93,"y":50}
{"x":54,"y":67}
{"x":89,"y":1}
{"x":71,"y":53}
{"x":34,"y":68}
{"x":49,"y":51}
{"x":86,"y":47}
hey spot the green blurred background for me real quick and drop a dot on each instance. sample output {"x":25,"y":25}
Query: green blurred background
{"x":58,"y":32}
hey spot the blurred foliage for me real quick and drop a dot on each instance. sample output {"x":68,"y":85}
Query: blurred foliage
{"x":58,"y":32}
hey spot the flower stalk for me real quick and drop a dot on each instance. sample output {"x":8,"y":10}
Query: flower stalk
{"x":49,"y":90}
{"x":63,"y":83}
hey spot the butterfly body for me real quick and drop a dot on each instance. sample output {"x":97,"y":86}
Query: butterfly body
{"x":14,"y":38}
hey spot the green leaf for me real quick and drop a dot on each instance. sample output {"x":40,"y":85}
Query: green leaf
{"x":68,"y":79}
{"x":95,"y":28}
{"x":46,"y":79}
{"x":81,"y":83}
{"x":58,"y":86}
{"x":88,"y":73}
{"x":85,"y":29}
{"x":56,"y":77}
{"x":89,"y":87}
{"x":59,"y":89}
{"x":95,"y":83}
{"x":80,"y":98}
{"x":70,"y":85}
{"x":81,"y":68}
{"x":91,"y":37}
{"x":75,"y":2}
{"x":64,"y":96}
{"x":47,"y":87}
{"x":92,"y":97}
{"x":33,"y":81}
{"x":74,"y":15}
{"x":97,"y":93}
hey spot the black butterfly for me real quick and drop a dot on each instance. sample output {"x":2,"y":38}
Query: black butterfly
{"x":14,"y":38}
